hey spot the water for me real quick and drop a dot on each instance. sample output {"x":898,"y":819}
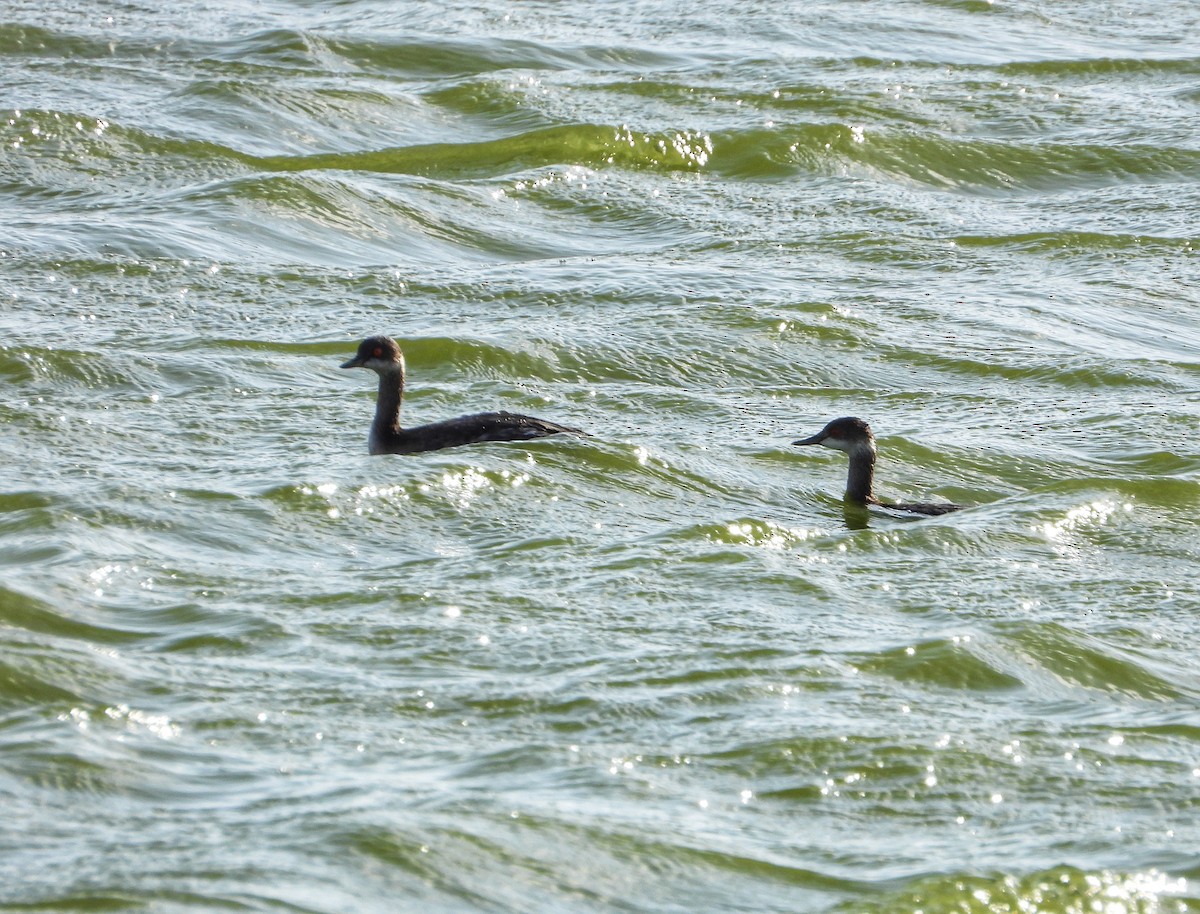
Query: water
{"x":244,"y":666}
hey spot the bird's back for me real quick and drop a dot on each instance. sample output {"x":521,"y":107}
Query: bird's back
{"x":473,"y":429}
{"x":930,"y":510}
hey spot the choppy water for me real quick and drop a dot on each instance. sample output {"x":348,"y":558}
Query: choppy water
{"x":243,"y":666}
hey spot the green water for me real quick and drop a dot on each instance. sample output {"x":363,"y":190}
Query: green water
{"x":244,"y":666}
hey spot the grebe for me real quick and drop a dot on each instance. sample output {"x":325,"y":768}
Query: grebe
{"x":853,"y":436}
{"x":383,"y":356}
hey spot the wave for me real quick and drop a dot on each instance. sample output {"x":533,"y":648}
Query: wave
{"x":1060,"y":890}
{"x":967,"y":165}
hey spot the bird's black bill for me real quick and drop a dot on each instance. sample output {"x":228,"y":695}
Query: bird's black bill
{"x":355,"y":362}
{"x":815,"y":439}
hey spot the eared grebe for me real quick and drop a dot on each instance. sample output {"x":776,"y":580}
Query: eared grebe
{"x":383,"y":356}
{"x":853,"y":436}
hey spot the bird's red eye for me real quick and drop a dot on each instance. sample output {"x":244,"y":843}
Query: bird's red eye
{"x":378,"y":351}
{"x":835,"y":433}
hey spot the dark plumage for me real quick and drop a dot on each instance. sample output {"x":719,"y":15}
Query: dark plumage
{"x":853,"y":437}
{"x":382,"y":355}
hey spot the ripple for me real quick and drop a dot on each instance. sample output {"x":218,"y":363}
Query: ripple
{"x":952,"y":664}
{"x":1076,"y":660}
{"x":1063,"y":889}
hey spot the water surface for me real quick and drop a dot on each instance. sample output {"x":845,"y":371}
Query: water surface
{"x":244,"y":666}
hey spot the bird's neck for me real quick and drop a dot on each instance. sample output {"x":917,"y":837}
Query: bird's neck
{"x":860,"y":483}
{"x":387,"y":402}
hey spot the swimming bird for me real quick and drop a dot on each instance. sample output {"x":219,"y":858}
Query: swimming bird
{"x":382,"y":355}
{"x":853,"y":437}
